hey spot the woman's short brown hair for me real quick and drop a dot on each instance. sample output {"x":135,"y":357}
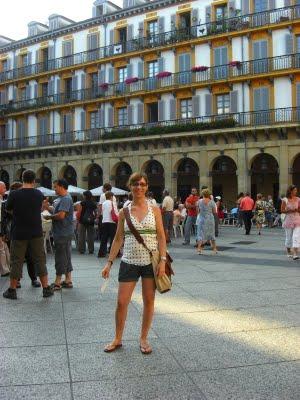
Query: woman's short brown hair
{"x":206,"y":193}
{"x":136,"y":177}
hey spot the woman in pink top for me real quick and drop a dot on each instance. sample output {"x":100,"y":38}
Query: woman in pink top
{"x":290,"y":206}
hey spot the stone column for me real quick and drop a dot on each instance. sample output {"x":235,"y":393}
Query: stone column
{"x":204,"y":178}
{"x":284,"y":177}
{"x":168,"y":174}
{"x":243,"y":178}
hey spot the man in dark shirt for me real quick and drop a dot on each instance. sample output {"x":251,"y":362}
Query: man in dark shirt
{"x":26,"y":233}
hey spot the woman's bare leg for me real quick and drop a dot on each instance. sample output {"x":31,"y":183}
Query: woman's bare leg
{"x":148,"y":290}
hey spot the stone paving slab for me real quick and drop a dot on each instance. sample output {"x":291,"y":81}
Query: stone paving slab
{"x":58,"y":391}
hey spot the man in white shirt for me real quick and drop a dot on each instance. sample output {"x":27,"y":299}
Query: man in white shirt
{"x":109,"y":227}
{"x":106,"y":188}
{"x":167,"y":214}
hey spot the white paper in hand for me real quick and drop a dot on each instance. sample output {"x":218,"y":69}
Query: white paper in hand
{"x":104,"y":286}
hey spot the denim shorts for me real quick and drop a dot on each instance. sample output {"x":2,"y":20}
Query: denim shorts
{"x":132,"y":273}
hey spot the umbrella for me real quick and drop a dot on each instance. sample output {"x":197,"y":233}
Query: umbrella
{"x":75,"y":190}
{"x":116,"y":191}
{"x":46,"y":191}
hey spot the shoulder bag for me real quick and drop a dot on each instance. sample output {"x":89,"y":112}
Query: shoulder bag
{"x":163,"y":283}
{"x":114,"y":215}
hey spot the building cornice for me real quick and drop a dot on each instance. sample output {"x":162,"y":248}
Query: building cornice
{"x":78,"y":26}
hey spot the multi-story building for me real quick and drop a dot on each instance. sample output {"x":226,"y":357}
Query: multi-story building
{"x":191,"y":92}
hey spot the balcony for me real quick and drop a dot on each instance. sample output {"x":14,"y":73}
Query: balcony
{"x":202,"y":76}
{"x":275,"y":117}
{"x":226,"y":26}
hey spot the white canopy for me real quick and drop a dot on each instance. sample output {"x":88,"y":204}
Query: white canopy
{"x":116,"y":191}
{"x":46,"y":191}
{"x":75,"y":190}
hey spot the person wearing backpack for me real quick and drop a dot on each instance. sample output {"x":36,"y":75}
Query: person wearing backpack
{"x":109,"y":223}
{"x":86,"y":229}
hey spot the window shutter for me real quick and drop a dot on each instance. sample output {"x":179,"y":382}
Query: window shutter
{"x":110,"y":117}
{"x":130,"y":114}
{"x":141,"y":29}
{"x":161,"y":110}
{"x":140,"y":113}
{"x":231,"y":9}
{"x":35,"y":91}
{"x":89,"y":42}
{"x":28,"y":92}
{"x":58,"y":86}
{"x":37,"y":58}
{"x":29,"y":58}
{"x":83,"y":78}
{"x":130,"y":32}
{"x":82,"y":120}
{"x":101,"y":77}
{"x":224,"y":56}
{"x":15,"y":93}
{"x":74,"y":83}
{"x":161,"y":24}
{"x":207,"y":14}
{"x":287,"y":3}
{"x":234,"y":101}
{"x":208,"y":104}
{"x":93,"y":41}
{"x":217,"y":56}
{"x":161,"y":64}
{"x":111,"y":37}
{"x":173,"y":22}
{"x":67,"y":48}
{"x":8,"y":66}
{"x":196,"y":106}
{"x":50,"y":87}
{"x":15,"y":62}
{"x":50,"y":52}
{"x":256,"y":100}
{"x":195,"y":16}
{"x":272,"y":4}
{"x":68,"y":122}
{"x":245,"y":7}
{"x":101,"y":117}
{"x":256,"y":50}
{"x":264,"y":48}
{"x":140,"y":70}
{"x":289,"y":45}
{"x":298,"y":95}
{"x":181,"y":62}
{"x":111,"y":75}
{"x":129,"y":70}
{"x":265,"y":98}
{"x":172,"y":109}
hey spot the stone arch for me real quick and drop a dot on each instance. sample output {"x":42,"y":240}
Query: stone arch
{"x":156,"y":176}
{"x":296,"y":171}
{"x":44,"y":175}
{"x":187,"y":177}
{"x":69,"y":174}
{"x":94,"y":176}
{"x":264,"y":172}
{"x":224,"y":179}
{"x":4,"y":177}
{"x":18,"y":175}
{"x":122,"y":172}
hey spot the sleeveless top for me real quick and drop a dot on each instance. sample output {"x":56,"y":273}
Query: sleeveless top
{"x":291,"y":220}
{"x":134,"y":252}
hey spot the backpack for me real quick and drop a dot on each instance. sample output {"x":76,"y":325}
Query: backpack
{"x":87,"y":216}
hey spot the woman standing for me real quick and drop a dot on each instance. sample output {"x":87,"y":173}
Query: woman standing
{"x":206,"y":221}
{"x":290,"y":206}
{"x":136,"y":260}
{"x":87,"y":211}
{"x":259,"y":212}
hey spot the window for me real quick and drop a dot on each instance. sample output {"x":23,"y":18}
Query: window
{"x":122,"y":74}
{"x":152,"y":69}
{"x":221,"y":12}
{"x":24,"y":60}
{"x":186,"y":108}
{"x":152,"y":28}
{"x":260,"y":5}
{"x":220,"y":61}
{"x":152,"y":112}
{"x":4,"y":66}
{"x":45,"y":89}
{"x":123,"y":35}
{"x":23,"y":94}
{"x":185,"y":20}
{"x":94,"y":80}
{"x":223,"y":104}
{"x":94,"y":120}
{"x":122,"y":116}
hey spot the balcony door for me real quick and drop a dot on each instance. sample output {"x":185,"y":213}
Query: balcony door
{"x":261,"y":105}
{"x":260,"y":54}
{"x":184,"y":61}
{"x":220,"y":62}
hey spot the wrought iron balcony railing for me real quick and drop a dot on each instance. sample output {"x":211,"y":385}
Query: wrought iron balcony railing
{"x":217,"y":123}
{"x":205,"y":75}
{"x":239,"y":23}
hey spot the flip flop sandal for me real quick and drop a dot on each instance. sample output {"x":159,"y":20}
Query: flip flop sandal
{"x":55,"y":286}
{"x":145,"y":350}
{"x":67,"y":285}
{"x":110,"y":348}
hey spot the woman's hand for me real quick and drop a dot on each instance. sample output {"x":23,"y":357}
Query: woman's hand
{"x":106,"y":271}
{"x":161,"y":269}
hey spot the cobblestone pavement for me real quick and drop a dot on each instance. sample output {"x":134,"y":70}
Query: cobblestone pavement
{"x":228,"y":330}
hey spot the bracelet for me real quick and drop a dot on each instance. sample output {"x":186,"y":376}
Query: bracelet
{"x":163,"y":258}
{"x":110,"y":262}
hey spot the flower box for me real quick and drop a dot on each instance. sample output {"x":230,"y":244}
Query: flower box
{"x":236,"y":64}
{"x":284,"y":18}
{"x":104,"y":86}
{"x":128,"y":81}
{"x":163,"y":74}
{"x":200,"y":68}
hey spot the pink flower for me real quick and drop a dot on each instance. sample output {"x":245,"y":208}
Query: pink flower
{"x":235,"y":64}
{"x":131,"y":80}
{"x":163,"y":74}
{"x":104,"y":86}
{"x":200,"y":68}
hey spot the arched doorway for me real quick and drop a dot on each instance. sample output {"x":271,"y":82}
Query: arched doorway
{"x":155,"y":172}
{"x":187,"y":177}
{"x":123,"y":173}
{"x":19,"y":174}
{"x":46,"y":178}
{"x":265,"y":176}
{"x":224,"y":180}
{"x":70,"y":175}
{"x":296,"y":172}
{"x":95,"y":176}
{"x":4,"y":177}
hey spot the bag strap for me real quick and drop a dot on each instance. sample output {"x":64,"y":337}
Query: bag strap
{"x":133,"y":230}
